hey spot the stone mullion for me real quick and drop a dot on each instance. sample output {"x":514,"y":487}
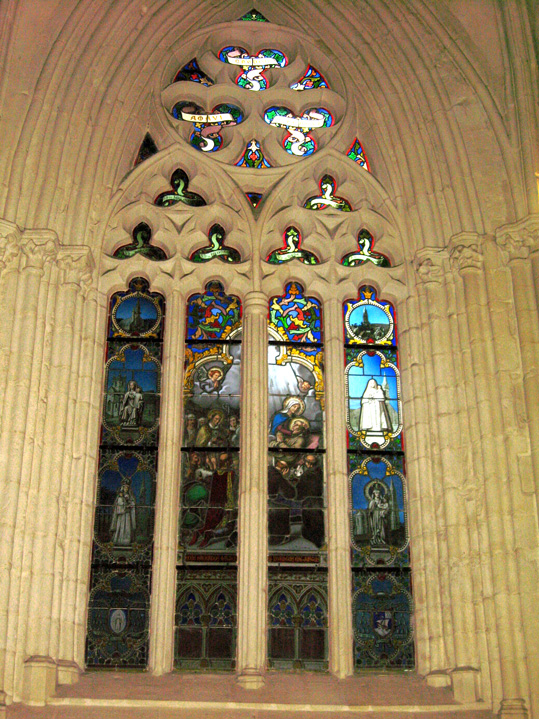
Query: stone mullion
{"x":167,"y":497}
{"x":252,"y":523}
{"x":466,"y":256}
{"x":474,"y":505}
{"x":17,"y":445}
{"x":454,"y":531}
{"x":81,"y":501}
{"x":425,"y":550}
{"x":341,"y":659}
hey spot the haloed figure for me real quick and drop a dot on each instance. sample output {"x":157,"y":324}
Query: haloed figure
{"x":132,"y":406}
{"x":123,"y":525}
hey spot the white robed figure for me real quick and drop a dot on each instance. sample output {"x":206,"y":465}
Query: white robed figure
{"x":124,"y":521}
{"x":132,"y":405}
{"x":374,"y":417}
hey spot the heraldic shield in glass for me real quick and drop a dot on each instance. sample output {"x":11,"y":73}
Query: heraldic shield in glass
{"x":382,"y":599}
{"x":125,"y":504}
{"x":296,"y":485}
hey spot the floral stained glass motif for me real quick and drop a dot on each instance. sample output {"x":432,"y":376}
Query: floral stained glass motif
{"x":252,"y":75}
{"x":206,"y":619}
{"x":378,"y":508}
{"x":216,"y":248}
{"x":179,"y":192}
{"x":191,"y":72}
{"x":207,"y":126}
{"x":327,"y":198}
{"x":213,"y":315}
{"x":357,"y":154}
{"x":311,"y":80}
{"x":142,"y":234}
{"x":253,"y":157}
{"x":147,"y":149}
{"x":294,"y":317}
{"x":364,"y":253}
{"x":298,"y":141}
{"x":118,"y":627}
{"x":254,"y":16}
{"x":292,"y":250}
{"x":254,"y":198}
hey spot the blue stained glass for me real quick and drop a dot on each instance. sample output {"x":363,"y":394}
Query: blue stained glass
{"x":294,"y":317}
{"x":369,"y":320}
{"x":311,"y":80}
{"x":213,"y":315}
{"x":254,"y":198}
{"x":136,"y":312}
{"x":191,"y":72}
{"x":253,"y":157}
{"x":208,"y":125}
{"x":299,"y":142}
{"x":252,"y":76}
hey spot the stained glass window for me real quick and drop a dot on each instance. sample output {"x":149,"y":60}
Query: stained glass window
{"x":179,"y":193}
{"x":254,"y":15}
{"x":252,"y":75}
{"x":327,"y":199}
{"x":382,"y":601}
{"x":365,"y":253}
{"x":147,"y":149}
{"x":253,"y":157}
{"x":118,"y":616}
{"x":357,"y":154}
{"x":311,"y":80}
{"x":216,"y":248}
{"x":296,"y":485}
{"x":292,"y":250}
{"x":207,"y":126}
{"x":191,"y":72}
{"x":298,"y":141}
{"x":142,"y":235}
{"x":209,"y":482}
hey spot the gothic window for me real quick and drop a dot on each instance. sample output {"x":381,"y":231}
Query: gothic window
{"x":124,"y":517}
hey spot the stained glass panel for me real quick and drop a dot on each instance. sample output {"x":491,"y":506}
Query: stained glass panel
{"x":191,"y":72}
{"x":207,"y":126}
{"x":118,"y":617}
{"x":216,"y":248}
{"x":364,"y":253}
{"x":254,"y":198}
{"x":147,"y":149}
{"x":252,"y":76}
{"x":179,"y":192}
{"x":294,"y":317}
{"x":142,"y":234}
{"x":253,"y":157}
{"x":311,"y":80}
{"x":254,"y":15}
{"x":297,"y":619}
{"x":327,"y":199}
{"x":298,"y":141}
{"x":292,"y":250}
{"x":369,"y":320}
{"x":357,"y":154}
{"x":213,"y":315}
{"x":206,"y":619}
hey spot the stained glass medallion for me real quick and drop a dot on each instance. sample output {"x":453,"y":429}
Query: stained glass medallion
{"x":357,"y":154}
{"x":292,"y":250}
{"x":327,"y":200}
{"x":378,"y":511}
{"x":369,"y":320}
{"x":252,"y":75}
{"x":216,"y":248}
{"x":191,"y":72}
{"x":253,"y":157}
{"x":298,"y":141}
{"x":207,"y":126}
{"x":311,"y":80}
{"x":147,"y":149}
{"x":179,"y":193}
{"x":142,"y":234}
{"x":364,"y":253}
{"x":382,"y":610}
{"x":254,"y":16}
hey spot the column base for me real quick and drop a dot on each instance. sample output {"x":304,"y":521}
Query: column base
{"x":251,"y":679}
{"x":513,"y":708}
{"x":39,"y":680}
{"x":465,"y":684}
{"x":67,"y":672}
{"x":438,"y":678}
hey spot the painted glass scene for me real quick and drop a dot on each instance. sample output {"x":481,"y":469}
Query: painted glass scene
{"x":382,"y":609}
{"x":378,"y":508}
{"x":368,"y":320}
{"x":297,"y":619}
{"x":206,"y":619}
{"x":252,"y":75}
{"x":298,"y":141}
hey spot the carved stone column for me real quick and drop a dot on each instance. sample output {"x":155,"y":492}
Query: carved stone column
{"x":167,"y":499}
{"x":252,"y":560}
{"x":17,"y":443}
{"x":467,"y":259}
{"x":341,"y":660}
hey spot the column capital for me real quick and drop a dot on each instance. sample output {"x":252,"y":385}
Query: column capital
{"x":465,"y":251}
{"x":76,"y":265}
{"x":518,"y":239}
{"x":38,"y":247}
{"x":10,"y":243}
{"x":255,"y":303}
{"x":430,"y":264}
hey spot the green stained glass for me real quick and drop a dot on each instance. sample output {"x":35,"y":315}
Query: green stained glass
{"x":357,"y":154}
{"x":253,"y":157}
{"x":364,"y":253}
{"x":292,"y":250}
{"x":254,"y":16}
{"x":179,"y":193}
{"x":327,"y":200}
{"x":142,"y":234}
{"x":216,"y":248}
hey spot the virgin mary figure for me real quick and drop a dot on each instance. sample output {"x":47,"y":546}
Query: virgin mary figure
{"x":123,"y":522}
{"x":374,"y":417}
